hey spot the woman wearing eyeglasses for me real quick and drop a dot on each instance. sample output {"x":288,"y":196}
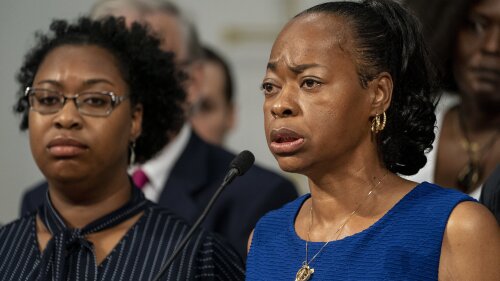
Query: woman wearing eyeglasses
{"x":95,"y":97}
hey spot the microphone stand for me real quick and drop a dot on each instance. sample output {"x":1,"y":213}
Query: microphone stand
{"x":233,"y":172}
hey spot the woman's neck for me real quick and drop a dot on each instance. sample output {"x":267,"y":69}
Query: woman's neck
{"x":478,"y":119}
{"x":350,"y":205}
{"x":337,"y":195}
{"x":82,"y":203}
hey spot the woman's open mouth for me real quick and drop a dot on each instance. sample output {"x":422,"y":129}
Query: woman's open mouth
{"x":285,"y":141}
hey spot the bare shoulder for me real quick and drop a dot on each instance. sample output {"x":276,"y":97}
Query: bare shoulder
{"x":471,"y":244}
{"x":471,"y":220}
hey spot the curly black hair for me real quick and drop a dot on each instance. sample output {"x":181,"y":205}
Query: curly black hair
{"x":388,"y":39}
{"x":150,"y":74}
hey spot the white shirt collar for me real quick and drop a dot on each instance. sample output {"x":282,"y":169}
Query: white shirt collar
{"x":158,"y":168}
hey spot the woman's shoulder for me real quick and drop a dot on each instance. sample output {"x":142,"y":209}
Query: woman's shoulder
{"x":164,"y":215}
{"x":177,"y":226}
{"x":428,"y":202}
{"x":464,"y":215}
{"x":471,"y":220}
{"x":173,"y":227}
{"x":439,"y":194}
{"x":471,"y":243}
{"x":218,"y":258}
{"x":16,"y":233}
{"x":23,"y":222}
{"x":171,"y":223}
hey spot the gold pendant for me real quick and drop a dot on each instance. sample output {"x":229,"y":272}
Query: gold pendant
{"x":304,"y":273}
{"x":468,"y":177}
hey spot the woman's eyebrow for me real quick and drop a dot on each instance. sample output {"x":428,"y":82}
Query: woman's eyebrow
{"x":294,"y":68}
{"x":97,"y":81}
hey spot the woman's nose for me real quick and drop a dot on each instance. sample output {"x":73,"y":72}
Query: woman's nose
{"x":68,"y":117}
{"x":491,"y":43}
{"x":285,"y":104}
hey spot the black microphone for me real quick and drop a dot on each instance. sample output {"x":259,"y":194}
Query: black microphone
{"x":240,"y":164}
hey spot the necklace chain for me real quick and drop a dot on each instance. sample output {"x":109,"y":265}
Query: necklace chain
{"x":469,"y":175}
{"x":340,"y":228}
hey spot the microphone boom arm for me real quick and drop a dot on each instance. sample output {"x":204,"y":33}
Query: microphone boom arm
{"x":239,"y":166}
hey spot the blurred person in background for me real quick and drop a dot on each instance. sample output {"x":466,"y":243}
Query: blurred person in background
{"x":185,"y":173}
{"x":215,"y":115}
{"x":464,"y":37}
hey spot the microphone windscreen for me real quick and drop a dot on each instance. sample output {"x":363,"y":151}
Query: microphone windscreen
{"x":242,"y":162}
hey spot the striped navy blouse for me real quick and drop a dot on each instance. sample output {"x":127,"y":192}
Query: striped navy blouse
{"x":138,"y":256}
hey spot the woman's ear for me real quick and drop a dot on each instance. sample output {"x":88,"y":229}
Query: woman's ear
{"x":136,"y":129}
{"x":382,"y":87}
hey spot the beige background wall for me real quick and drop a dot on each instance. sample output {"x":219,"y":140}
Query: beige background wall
{"x":242,"y":30}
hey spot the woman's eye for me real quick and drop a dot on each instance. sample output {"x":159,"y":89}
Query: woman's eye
{"x":476,"y":25}
{"x":49,"y":100}
{"x":310,"y":83}
{"x":95,"y":100}
{"x":268,"y":88}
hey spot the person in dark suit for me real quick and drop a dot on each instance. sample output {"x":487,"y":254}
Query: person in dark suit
{"x":490,"y":193}
{"x":186,"y":172}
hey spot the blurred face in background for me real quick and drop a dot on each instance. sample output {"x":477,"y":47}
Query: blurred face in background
{"x":477,"y":56}
{"x":169,"y":29}
{"x":173,"y":34}
{"x":214,"y":114}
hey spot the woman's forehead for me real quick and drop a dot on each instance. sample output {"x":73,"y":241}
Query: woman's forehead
{"x":317,"y":28}
{"x":327,"y":22}
{"x":311,"y":35}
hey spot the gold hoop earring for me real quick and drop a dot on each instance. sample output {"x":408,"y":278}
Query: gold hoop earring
{"x":378,"y":125}
{"x":375,"y":123}
{"x":131,"y":153}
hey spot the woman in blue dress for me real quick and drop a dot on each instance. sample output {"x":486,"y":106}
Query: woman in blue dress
{"x":348,"y":104}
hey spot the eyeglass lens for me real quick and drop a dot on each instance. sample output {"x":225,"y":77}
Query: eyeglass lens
{"x":90,"y":103}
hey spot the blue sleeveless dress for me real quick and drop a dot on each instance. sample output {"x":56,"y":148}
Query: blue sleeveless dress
{"x":405,"y":244}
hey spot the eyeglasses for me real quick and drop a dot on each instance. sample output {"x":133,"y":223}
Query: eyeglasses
{"x":46,"y":101}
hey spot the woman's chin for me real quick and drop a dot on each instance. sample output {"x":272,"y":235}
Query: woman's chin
{"x":64,"y":177}
{"x":291,"y":164}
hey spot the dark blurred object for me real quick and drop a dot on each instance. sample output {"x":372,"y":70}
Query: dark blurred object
{"x":438,"y":18}
{"x":490,"y":195}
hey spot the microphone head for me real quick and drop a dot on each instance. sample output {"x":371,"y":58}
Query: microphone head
{"x":242,"y":162}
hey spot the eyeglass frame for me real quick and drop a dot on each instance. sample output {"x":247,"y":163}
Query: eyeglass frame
{"x":115,"y":100}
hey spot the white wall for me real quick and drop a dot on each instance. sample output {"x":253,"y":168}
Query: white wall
{"x":256,"y":21}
